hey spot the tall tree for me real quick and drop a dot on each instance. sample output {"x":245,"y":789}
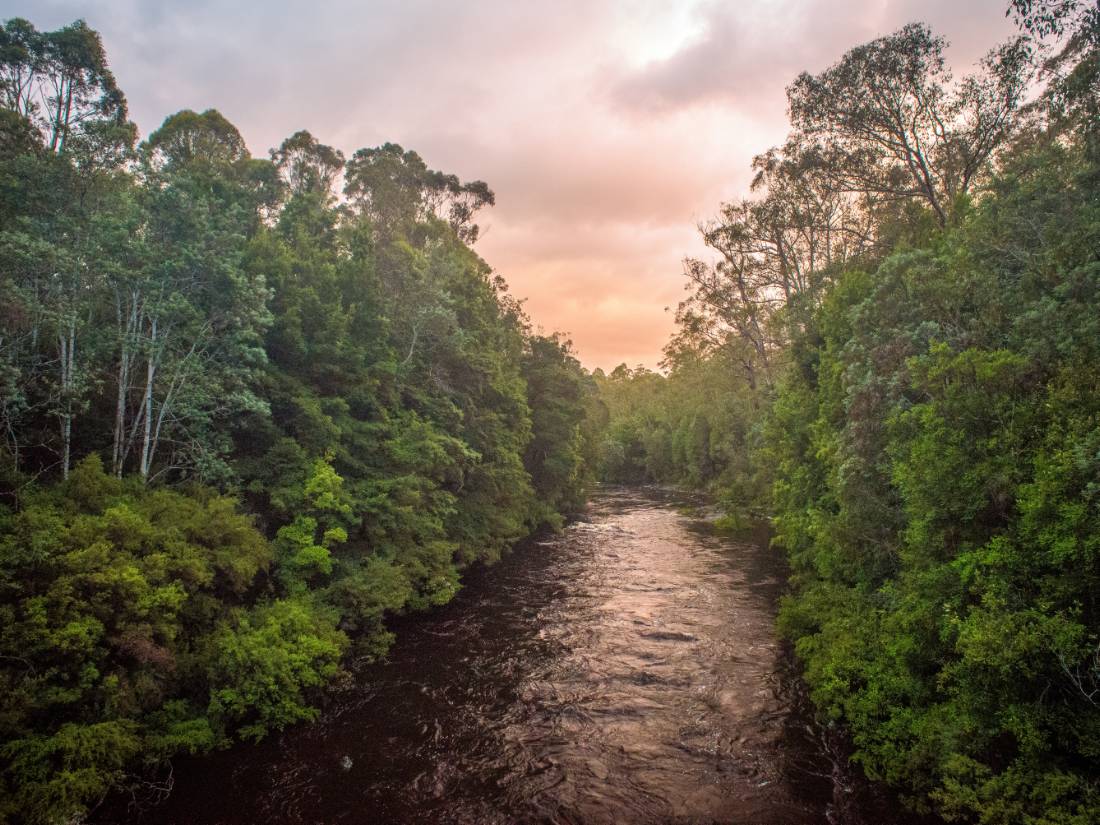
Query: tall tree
{"x":308,"y":166}
{"x":59,"y":81}
{"x":885,"y":119}
{"x":396,"y":189}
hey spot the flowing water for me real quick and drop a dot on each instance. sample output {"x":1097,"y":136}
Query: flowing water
{"x":624,"y":671}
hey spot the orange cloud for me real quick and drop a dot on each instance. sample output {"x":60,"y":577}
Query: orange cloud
{"x":607,"y":129}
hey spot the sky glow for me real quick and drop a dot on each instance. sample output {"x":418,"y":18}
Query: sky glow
{"x":607,"y":130}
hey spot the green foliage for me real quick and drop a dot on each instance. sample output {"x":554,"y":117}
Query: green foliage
{"x":59,"y":775}
{"x":180,"y":318}
{"x":935,"y":488}
{"x":696,"y":427}
{"x":111,"y":596}
{"x":912,"y":307}
{"x":265,"y":663}
{"x":557,"y":455}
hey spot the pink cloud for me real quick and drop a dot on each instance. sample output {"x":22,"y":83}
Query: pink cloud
{"x":607,"y":129}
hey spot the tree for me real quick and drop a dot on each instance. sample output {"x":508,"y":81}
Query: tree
{"x":556,"y":392}
{"x":308,"y":166}
{"x":60,"y":82}
{"x":195,"y":317}
{"x":1072,"y":94}
{"x":57,"y":88}
{"x":884,"y":121}
{"x":191,"y":141}
{"x":396,"y":189}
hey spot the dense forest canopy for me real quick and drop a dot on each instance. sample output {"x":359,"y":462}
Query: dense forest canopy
{"x":894,"y":353}
{"x":250,"y":406}
{"x":253,"y":406}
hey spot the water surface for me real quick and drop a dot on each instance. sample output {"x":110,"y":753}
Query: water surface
{"x":624,"y":671}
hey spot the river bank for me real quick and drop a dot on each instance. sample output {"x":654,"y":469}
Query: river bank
{"x":625,"y":669}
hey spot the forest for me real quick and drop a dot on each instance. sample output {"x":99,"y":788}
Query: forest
{"x":894,"y":354}
{"x":247,"y":413}
{"x":253,"y":408}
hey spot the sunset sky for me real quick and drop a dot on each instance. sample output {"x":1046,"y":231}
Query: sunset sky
{"x":606,"y":129}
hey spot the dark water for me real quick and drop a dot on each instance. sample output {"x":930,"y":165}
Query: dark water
{"x":625,"y":671}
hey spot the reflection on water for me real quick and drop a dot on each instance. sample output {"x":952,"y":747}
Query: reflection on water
{"x":624,"y":671}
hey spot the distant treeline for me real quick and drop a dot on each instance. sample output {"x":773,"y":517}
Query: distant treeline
{"x":896,"y":352}
{"x":248,"y":407}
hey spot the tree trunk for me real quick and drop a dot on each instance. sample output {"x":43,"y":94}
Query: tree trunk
{"x":150,"y":376}
{"x":66,"y":341}
{"x":127,"y":323}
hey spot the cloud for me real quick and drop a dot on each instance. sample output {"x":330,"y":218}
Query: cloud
{"x":712,"y":67}
{"x":607,"y":129}
{"x":745,"y":54}
{"x":742,"y":57}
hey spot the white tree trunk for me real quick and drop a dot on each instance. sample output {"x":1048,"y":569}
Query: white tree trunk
{"x":150,"y":377}
{"x":127,"y":322}
{"x":66,"y":341}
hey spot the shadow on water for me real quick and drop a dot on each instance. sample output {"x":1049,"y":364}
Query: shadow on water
{"x":625,"y":670}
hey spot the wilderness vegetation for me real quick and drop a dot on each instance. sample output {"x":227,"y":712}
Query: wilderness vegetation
{"x":253,"y":406}
{"x":895,"y":352}
{"x":249,"y":407}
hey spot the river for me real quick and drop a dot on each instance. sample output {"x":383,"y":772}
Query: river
{"x":625,"y":670}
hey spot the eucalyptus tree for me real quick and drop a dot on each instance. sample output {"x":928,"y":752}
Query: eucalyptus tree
{"x":190,"y":325}
{"x":887,"y":119}
{"x":774,"y":253}
{"x":68,"y":141}
{"x":307,"y":165}
{"x":396,"y":189}
{"x":883,"y":129}
{"x":59,"y":81}
{"x":1071,"y":98}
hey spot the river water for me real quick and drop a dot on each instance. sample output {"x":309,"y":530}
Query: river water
{"x":623,"y":671}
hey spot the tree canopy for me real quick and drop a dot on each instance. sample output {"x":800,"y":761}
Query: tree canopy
{"x":893,"y":354}
{"x":251,"y":408}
